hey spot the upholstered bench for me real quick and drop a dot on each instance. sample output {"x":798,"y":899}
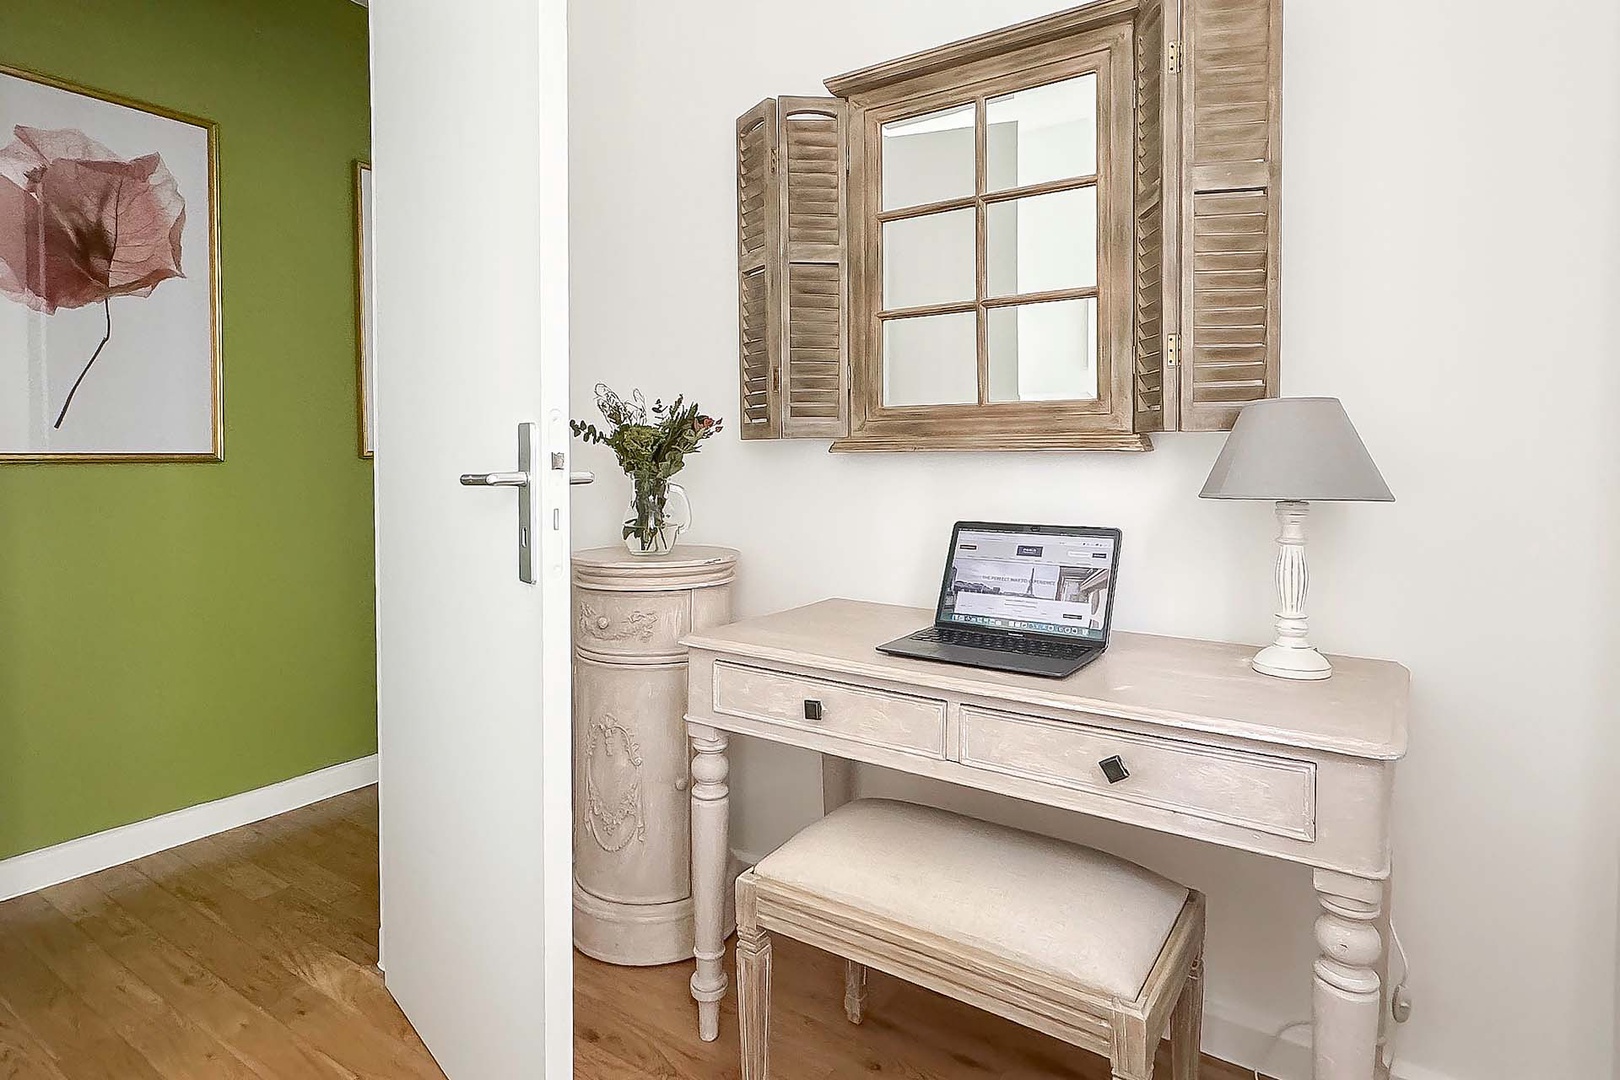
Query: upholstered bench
{"x":1072,"y":942}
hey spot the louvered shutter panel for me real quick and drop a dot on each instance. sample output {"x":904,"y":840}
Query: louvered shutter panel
{"x":813,"y":371}
{"x":1230,"y":235}
{"x":1154,"y":258}
{"x":758,"y":242}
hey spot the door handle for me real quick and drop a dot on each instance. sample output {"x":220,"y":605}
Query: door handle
{"x":495,"y":479}
{"x":559,"y":462}
{"x":523,"y":480}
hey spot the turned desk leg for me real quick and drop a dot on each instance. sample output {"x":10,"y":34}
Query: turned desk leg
{"x":1348,"y":1001}
{"x":710,"y":852}
{"x":1386,"y":934}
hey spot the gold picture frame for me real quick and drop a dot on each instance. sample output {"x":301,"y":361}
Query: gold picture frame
{"x":364,"y":299}
{"x":215,"y":452}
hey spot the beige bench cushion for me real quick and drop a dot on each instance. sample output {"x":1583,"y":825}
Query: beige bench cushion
{"x":1078,"y":914}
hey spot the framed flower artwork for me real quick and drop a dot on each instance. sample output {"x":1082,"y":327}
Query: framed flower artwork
{"x":109,"y":278}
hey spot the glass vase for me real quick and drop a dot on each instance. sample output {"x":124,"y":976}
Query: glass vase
{"x":652,"y":524}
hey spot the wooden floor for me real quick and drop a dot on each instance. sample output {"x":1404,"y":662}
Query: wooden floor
{"x":253,"y":953}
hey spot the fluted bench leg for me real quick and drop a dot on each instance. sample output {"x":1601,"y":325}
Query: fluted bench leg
{"x":1186,"y":1026}
{"x":753,"y":984}
{"x":854,"y":990}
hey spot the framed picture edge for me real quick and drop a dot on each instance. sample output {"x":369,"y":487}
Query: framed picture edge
{"x":361,"y":168}
{"x":215,"y":290}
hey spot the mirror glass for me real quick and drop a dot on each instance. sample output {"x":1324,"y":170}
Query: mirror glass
{"x":1044,"y":352}
{"x":929,"y":158}
{"x":931,"y":360}
{"x":1042,"y":133}
{"x":929,"y":260}
{"x":1041,"y":242}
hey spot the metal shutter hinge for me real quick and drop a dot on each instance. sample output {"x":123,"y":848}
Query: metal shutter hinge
{"x":1172,"y":57}
{"x":1172,"y":350}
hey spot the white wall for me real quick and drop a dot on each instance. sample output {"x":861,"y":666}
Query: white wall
{"x":1452,"y":271}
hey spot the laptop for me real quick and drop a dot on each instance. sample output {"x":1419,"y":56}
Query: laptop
{"x":1035,"y":599}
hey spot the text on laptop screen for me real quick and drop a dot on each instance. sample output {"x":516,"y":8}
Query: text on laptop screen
{"x":1038,"y":582}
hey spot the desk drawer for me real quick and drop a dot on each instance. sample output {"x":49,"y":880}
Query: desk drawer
{"x":1257,"y":791}
{"x":875,"y":717}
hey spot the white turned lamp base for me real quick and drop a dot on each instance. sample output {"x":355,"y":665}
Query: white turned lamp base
{"x":1291,"y":656}
{"x":1291,"y":663}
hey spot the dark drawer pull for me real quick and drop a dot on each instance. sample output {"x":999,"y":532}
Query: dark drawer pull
{"x":812,"y":709}
{"x":1114,"y":769}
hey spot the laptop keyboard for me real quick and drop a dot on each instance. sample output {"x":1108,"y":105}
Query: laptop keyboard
{"x":976,"y":639}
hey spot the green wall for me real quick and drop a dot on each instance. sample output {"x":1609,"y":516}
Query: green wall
{"x":171,"y":634}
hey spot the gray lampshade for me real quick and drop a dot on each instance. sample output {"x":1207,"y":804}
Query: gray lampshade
{"x":1295,"y":448}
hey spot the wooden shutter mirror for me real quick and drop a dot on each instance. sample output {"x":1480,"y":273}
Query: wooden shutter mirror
{"x":1201,"y":269}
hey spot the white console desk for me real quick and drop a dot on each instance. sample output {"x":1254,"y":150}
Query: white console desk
{"x":1300,"y":771}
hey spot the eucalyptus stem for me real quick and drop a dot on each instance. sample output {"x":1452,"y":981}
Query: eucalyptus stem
{"x":651,"y":499}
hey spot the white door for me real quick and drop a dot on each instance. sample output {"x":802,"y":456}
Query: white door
{"x":469,"y":155}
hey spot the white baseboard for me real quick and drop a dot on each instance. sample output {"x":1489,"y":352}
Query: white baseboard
{"x":53,"y":865}
{"x":1404,"y":1071}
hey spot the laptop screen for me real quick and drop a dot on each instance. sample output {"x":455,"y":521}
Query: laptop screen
{"x":1030,"y":578}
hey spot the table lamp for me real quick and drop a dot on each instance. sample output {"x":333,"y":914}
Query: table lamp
{"x":1295,"y":451}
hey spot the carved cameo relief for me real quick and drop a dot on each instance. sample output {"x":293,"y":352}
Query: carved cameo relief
{"x":613,"y":806}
